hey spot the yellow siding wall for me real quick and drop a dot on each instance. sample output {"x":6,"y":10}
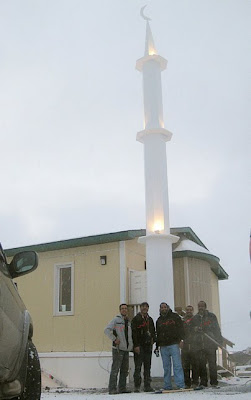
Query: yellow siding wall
{"x":215,"y":296}
{"x":97,"y":293}
{"x":96,"y":300}
{"x":135,"y":255}
{"x":202,"y":285}
{"x":200,"y":282}
{"x":179,"y":283}
{"x":135,"y":260}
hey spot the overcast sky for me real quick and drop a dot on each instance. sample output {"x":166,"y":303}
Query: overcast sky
{"x":70,"y":108}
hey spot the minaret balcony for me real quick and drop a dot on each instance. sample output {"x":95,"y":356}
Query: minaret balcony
{"x":154,"y":57}
{"x":167,"y":135}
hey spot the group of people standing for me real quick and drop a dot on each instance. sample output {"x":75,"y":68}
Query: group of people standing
{"x":187,"y":344}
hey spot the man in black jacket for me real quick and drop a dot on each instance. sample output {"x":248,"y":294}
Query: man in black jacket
{"x":206,"y":332}
{"x":170,"y":333}
{"x":143,"y":335}
{"x":188,"y":354}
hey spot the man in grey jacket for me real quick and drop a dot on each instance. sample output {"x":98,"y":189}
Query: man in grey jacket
{"x":119,"y":331}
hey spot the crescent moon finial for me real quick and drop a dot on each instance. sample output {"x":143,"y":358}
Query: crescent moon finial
{"x":143,"y":15}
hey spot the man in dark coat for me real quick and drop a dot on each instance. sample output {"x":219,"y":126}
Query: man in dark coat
{"x":188,"y":354}
{"x":206,"y":335}
{"x":170,"y":333}
{"x":143,"y":335}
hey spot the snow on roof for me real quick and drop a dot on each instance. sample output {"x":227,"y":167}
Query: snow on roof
{"x":187,"y":244}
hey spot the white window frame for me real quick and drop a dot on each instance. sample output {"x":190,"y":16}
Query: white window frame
{"x":57,"y":268}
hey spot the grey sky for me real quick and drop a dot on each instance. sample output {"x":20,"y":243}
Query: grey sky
{"x":70,"y":108}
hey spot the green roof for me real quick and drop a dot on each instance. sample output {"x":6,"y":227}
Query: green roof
{"x":79,"y":242}
{"x":117,"y":237}
{"x":188,"y":233}
{"x":98,"y":239}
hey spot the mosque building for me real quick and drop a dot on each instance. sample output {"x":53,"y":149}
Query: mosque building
{"x":80,"y":282}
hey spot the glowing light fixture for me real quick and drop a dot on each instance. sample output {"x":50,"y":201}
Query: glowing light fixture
{"x":152,"y":51}
{"x":161,"y":122}
{"x":158,"y":227}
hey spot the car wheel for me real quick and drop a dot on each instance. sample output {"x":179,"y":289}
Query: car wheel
{"x":32,"y":390}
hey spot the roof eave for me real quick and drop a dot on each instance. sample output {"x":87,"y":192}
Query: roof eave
{"x":78,"y":242}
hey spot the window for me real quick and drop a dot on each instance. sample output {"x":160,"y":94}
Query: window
{"x":64,"y":289}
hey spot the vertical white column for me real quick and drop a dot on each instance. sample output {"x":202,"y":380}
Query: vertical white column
{"x":122,"y":270}
{"x":153,"y":108}
{"x":159,"y":272}
{"x":156,"y":187}
{"x":158,"y":239}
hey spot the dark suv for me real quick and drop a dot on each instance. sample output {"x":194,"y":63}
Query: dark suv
{"x":20,"y":374}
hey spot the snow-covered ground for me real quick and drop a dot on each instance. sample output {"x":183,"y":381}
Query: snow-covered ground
{"x":147,"y":396}
{"x":239,"y":389}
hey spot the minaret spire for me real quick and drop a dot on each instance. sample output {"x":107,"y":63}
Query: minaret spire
{"x":158,"y":239}
{"x":149,"y":46}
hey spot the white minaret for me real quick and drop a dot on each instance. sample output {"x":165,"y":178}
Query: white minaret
{"x":158,"y":239}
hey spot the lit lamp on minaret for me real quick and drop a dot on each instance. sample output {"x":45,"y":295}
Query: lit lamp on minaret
{"x":158,"y":239}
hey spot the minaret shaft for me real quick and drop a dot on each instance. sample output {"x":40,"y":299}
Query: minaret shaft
{"x":153,"y":108}
{"x":158,"y":239}
{"x":156,"y":188}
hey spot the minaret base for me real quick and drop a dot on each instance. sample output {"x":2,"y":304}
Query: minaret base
{"x":160,"y":287}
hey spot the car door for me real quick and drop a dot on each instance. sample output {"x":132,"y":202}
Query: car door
{"x":11,"y":323}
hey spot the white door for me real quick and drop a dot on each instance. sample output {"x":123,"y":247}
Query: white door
{"x":138,"y":292}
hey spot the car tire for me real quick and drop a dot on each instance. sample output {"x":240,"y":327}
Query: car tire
{"x":32,"y":390}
